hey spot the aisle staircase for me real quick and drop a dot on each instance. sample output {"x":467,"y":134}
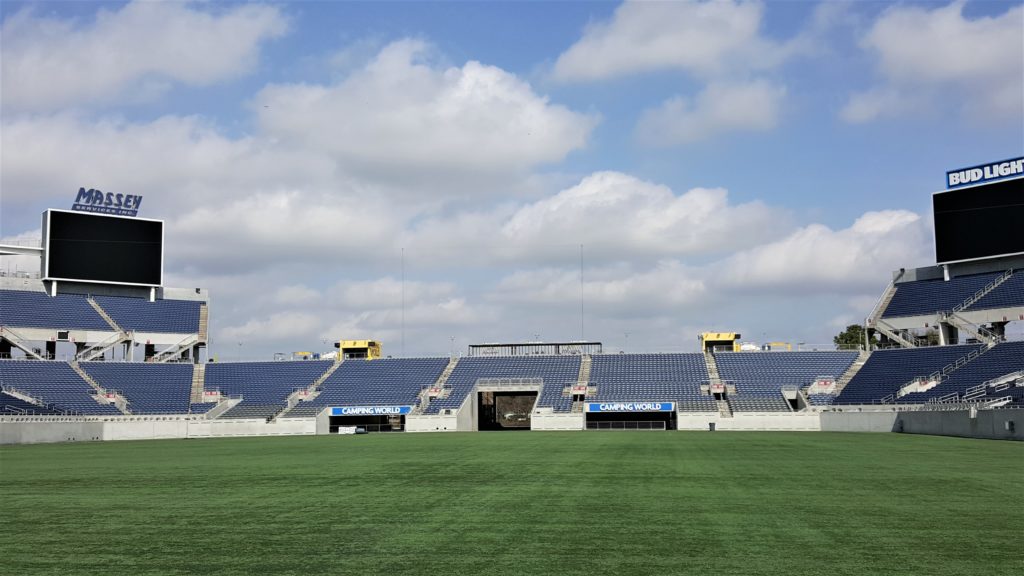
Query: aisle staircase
{"x":198,"y":383}
{"x":303,"y":395}
{"x":984,"y":291}
{"x":874,"y":319}
{"x":204,"y":322}
{"x":102,"y":395}
{"x":937,"y":377}
{"x":438,"y":388}
{"x":862,"y":359}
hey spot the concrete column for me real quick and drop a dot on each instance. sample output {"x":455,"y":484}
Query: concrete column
{"x":948,"y":334}
{"x":999,"y":329}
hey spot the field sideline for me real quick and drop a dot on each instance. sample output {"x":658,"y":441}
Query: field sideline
{"x":517,"y":504}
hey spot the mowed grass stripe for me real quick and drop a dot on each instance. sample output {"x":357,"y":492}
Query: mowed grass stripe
{"x":523,"y":503}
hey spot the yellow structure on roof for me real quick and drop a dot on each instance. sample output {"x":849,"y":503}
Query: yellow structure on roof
{"x":358,"y":349}
{"x":711,"y":340}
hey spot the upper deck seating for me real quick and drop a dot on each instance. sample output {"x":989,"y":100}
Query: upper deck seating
{"x":20,"y":308}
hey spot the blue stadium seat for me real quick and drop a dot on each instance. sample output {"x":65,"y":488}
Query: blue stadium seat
{"x":19,"y":308}
{"x":886,"y":371}
{"x":1002,"y":359}
{"x":556,"y":371}
{"x":139,"y":314}
{"x":264,"y":386}
{"x":821,"y":399}
{"x":384,"y":382}
{"x":927,"y":297}
{"x":149,"y":388}
{"x":764,"y":374}
{"x":54,"y":383}
{"x":652,"y":378}
{"x":12,"y":406}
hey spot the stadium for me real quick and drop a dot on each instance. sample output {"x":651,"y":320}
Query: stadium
{"x":616,"y":471}
{"x":701,"y":287}
{"x":95,"y":347}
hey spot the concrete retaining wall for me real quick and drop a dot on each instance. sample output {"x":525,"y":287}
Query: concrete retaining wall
{"x":38,"y":432}
{"x":994,"y":424}
{"x":431,"y":423}
{"x":859,"y":421}
{"x":143,"y":429}
{"x":559,"y":421}
{"x":991,"y":424}
{"x":808,"y":421}
{"x":225,"y":428}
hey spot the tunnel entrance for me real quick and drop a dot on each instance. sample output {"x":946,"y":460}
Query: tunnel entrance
{"x":505,"y":410}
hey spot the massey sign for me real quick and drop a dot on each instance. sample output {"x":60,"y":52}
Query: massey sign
{"x":93,"y":200}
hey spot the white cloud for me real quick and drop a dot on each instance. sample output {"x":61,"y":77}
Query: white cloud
{"x":298,"y":315}
{"x":718,"y":108}
{"x":296,"y":294}
{"x":276,"y":326}
{"x":128,"y":54}
{"x":400,"y":112}
{"x":869,"y":105}
{"x":614,"y":215}
{"x":927,"y":55}
{"x":173,"y":162}
{"x":816,"y":258}
{"x":702,"y":38}
{"x":285,"y":226}
{"x":611,"y":289}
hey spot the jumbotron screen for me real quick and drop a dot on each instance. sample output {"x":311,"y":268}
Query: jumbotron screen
{"x":98,"y":248}
{"x":979,"y":221}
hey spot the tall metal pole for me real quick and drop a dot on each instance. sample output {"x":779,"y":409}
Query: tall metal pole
{"x":581,"y":292}
{"x":403,"y":303}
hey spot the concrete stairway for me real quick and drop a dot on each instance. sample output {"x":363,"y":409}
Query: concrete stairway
{"x":120,"y":402}
{"x":198,"y":383}
{"x":862,"y":359}
{"x":584,"y":376}
{"x":204,"y":322}
{"x":438,"y":385}
{"x":103,"y":314}
{"x":874,"y":319}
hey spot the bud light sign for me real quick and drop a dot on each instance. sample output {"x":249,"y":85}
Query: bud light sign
{"x":985,"y":173}
{"x":93,"y":200}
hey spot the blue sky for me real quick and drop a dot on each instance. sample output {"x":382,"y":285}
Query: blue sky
{"x":737,"y":165}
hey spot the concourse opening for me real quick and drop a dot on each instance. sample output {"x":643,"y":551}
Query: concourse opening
{"x":505,"y":410}
{"x":631,"y":416}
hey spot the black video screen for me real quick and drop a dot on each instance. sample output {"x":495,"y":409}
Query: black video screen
{"x":99,"y":248}
{"x":979,"y":222}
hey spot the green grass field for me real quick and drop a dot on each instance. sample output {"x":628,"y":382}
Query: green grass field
{"x":517,"y":504}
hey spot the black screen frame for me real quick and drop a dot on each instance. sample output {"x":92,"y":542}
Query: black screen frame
{"x":53,"y":248}
{"x":949,"y":228}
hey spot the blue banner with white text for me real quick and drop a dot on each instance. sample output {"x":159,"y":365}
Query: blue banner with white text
{"x":370,"y":410}
{"x":631,"y":406}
